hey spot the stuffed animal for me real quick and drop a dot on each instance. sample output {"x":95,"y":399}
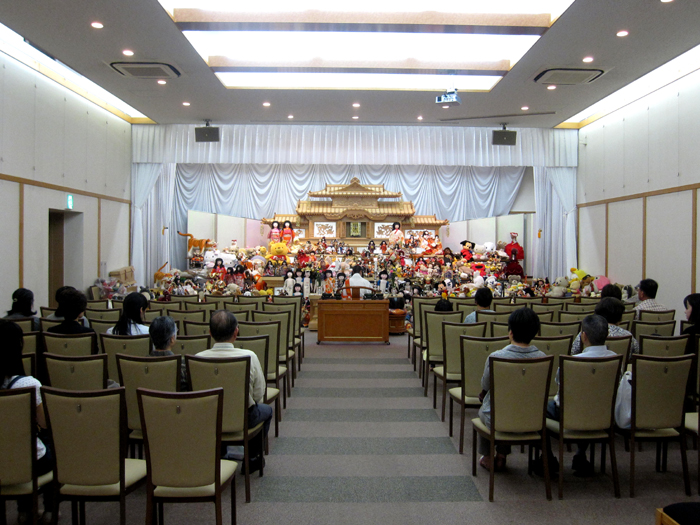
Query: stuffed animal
{"x":559,"y":288}
{"x":201,"y":244}
{"x":278,"y":253}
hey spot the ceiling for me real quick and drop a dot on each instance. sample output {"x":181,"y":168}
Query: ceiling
{"x":658,"y":32}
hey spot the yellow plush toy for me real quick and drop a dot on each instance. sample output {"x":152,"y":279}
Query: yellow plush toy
{"x":278,"y":253}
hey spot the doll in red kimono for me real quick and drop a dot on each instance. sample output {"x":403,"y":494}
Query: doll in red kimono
{"x":288,"y":234}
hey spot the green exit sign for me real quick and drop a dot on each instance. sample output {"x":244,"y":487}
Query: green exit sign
{"x":69,"y":201}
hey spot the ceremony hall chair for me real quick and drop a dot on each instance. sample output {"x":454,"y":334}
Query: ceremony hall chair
{"x":663,"y":346}
{"x":135,"y":345}
{"x":77,"y":373}
{"x":275,"y":374}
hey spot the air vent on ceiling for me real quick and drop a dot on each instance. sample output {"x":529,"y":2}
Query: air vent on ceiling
{"x":146,"y":69}
{"x":568,"y":76}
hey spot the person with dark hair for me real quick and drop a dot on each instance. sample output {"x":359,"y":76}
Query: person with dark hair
{"x":223,"y":328}
{"x":610,"y":290}
{"x":444,"y":305}
{"x":12,"y":376}
{"x":611,"y":310}
{"x":483,"y":298}
{"x":692,"y":315}
{"x":356,"y":279}
{"x":22,"y":303}
{"x":646,"y":291}
{"x":131,"y":319}
{"x":58,"y":314}
{"x":73,"y":305}
{"x":523,"y":325}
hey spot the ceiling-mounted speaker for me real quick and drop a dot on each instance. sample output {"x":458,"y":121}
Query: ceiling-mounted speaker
{"x":206,"y":134}
{"x":502,"y":137}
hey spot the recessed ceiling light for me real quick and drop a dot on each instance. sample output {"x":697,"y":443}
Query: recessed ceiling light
{"x":666,"y":1}
{"x":551,"y":87}
{"x":445,"y":107}
{"x":97,"y":25}
{"x":420,"y":117}
{"x":525,"y":108}
{"x":266,"y":104}
{"x":588,"y":59}
{"x":185,"y":103}
{"x":356,"y":105}
{"x":624,"y":32}
{"x":162,"y":82}
{"x":355,"y":117}
{"x":290,"y":116}
{"x":128,"y":52}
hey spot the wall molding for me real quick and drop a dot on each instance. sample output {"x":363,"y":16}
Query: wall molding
{"x":56,"y":187}
{"x":643,"y":195}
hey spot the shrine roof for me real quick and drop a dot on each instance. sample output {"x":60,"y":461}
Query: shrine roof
{"x":428,"y":220}
{"x":355,"y":189}
{"x":380,"y":209}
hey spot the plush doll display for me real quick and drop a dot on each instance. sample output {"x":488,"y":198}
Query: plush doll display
{"x":396,"y":237}
{"x":278,"y":253}
{"x":288,"y":234}
{"x":275,"y":234}
{"x":513,"y":245}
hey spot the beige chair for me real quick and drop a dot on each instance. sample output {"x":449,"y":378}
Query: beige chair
{"x":507,"y":307}
{"x":184,"y":299}
{"x":560,"y":300}
{"x":491,"y":317}
{"x":103,"y":315}
{"x":295,"y":334}
{"x":70,"y":345}
{"x":231,"y":374}
{"x":658,"y":393}
{"x":191,"y":344}
{"x":587,"y":407}
{"x":528,"y":301}
{"x":555,"y":329}
{"x":165,"y":305}
{"x":545,"y":317}
{"x":547,"y":307}
{"x":101,"y":327}
{"x":463,"y":300}
{"x":151,"y":314}
{"x":18,"y":476}
{"x":300,"y":331}
{"x":467,"y":308}
{"x":207,"y":307}
{"x":518,"y":409}
{"x":414,"y":334}
{"x":630,"y":306}
{"x":657,"y":317}
{"x":432,"y":342}
{"x":663,"y":328}
{"x":474,"y":351}
{"x":573,"y":317}
{"x":499,"y":330}
{"x":98,"y":304}
{"x":77,"y":373}
{"x":502,"y":300}
{"x":256,"y":300}
{"x":219,"y":300}
{"x":621,"y":346}
{"x":46,"y":311}
{"x":32,"y":340}
{"x":237,"y":307}
{"x":658,"y":346}
{"x":29,"y":364}
{"x":134,"y":345}
{"x":580,"y":307}
{"x":628,"y":315}
{"x":45,"y":324}
{"x":554,"y":346}
{"x":25,"y":323}
{"x":193,"y":328}
{"x":182,"y":436}
{"x":589,"y":300}
{"x":450,"y":370}
{"x":274,"y":374}
{"x":198,"y":316}
{"x":269,"y":360}
{"x":89,"y":438}
{"x":154,"y":373}
{"x":117,"y":304}
{"x":684,"y":325}
{"x":625,"y":325}
{"x":286,"y":339}
{"x":691,"y":426}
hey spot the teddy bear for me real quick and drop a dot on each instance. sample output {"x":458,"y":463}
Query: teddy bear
{"x":559,"y":289}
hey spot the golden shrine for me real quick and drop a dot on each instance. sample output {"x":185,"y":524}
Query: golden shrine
{"x":355,"y":213}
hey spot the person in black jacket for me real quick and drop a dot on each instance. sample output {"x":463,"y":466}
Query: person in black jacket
{"x":73,"y":305}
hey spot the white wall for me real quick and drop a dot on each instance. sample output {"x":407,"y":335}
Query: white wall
{"x":51,"y":136}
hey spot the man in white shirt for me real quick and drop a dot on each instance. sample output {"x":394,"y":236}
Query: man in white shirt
{"x":357,"y":280}
{"x":646,"y":292}
{"x":223,"y":328}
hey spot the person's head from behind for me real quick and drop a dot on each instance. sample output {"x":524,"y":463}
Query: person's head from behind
{"x":73,"y":304}
{"x":594,"y":330}
{"x":59,"y":299}
{"x":692,"y":308}
{"x":483,"y":297}
{"x":443,"y":305}
{"x":523,"y":325}
{"x":223,"y":326}
{"x":22,"y":302}
{"x":11,"y":343}
{"x":610,"y":309}
{"x":357,"y":269}
{"x":163,"y":332}
{"x":610,"y":290}
{"x":647,"y":289}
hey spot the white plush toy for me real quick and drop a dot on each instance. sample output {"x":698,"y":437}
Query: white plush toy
{"x":559,"y":288}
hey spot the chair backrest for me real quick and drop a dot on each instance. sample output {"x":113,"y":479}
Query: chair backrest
{"x":135,"y":345}
{"x":286,"y":336}
{"x":198,"y":316}
{"x":231,"y":374}
{"x":418,"y":302}
{"x":193,"y":328}
{"x":572,"y":317}
{"x":554,"y":329}
{"x":31,"y":342}
{"x":151,"y":314}
{"x":237,"y":307}
{"x":29,"y":364}
{"x":432,"y":330}
{"x":589,"y":300}
{"x":46,"y":311}
{"x":273,"y":330}
{"x":548,"y":307}
{"x":451,"y":332}
{"x":545,"y":316}
{"x":560,"y":300}
{"x":625,"y":325}
{"x":463,"y":300}
{"x":658,"y":390}
{"x":528,"y":301}
{"x":466,"y":308}
{"x":501,"y":300}
{"x":475,"y":351}
{"x":89,"y":435}
{"x":182,"y":437}
{"x":25,"y":323}
{"x":77,"y":373}
{"x":163,"y":305}
{"x":554,"y":346}
{"x":519,"y":390}
{"x":293,"y":318}
{"x":256,"y":300}
{"x":580,"y":307}
{"x":663,"y":328}
{"x":260,"y":345}
{"x":506,"y":307}
{"x":98,"y":304}
{"x":630,"y":306}
{"x":587,"y":391}
{"x":621,"y":346}
{"x":17,"y":436}
{"x":219,"y":300}
{"x":628,"y":315}
{"x":491,"y":317}
{"x":663,"y":346}
{"x":185,"y":299}
{"x":207,"y":307}
{"x":117,"y":304}
{"x":657,"y":317}
{"x":499,"y":330}
{"x":154,"y":373}
{"x":685,"y":324}
{"x":75,"y":345}
{"x":191,"y":344}
{"x":103,"y":315}
{"x":45,"y":324}
{"x":298,"y":301}
{"x":101,"y":327}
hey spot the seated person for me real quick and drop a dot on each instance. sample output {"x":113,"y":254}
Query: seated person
{"x":133,"y":310}
{"x":163,"y":332}
{"x":611,"y":309}
{"x":594,"y":332}
{"x":22,"y":303}
{"x":483,"y":298}
{"x":444,"y":305}
{"x":223,"y":328}
{"x":610,"y":290}
{"x":523,"y":326}
{"x":646,"y":292}
{"x":58,"y":314}
{"x":356,"y":279}
{"x":73,"y":307}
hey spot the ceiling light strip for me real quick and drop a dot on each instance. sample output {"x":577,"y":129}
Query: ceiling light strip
{"x":359,"y":70}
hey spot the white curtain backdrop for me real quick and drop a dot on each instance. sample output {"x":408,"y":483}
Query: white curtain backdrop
{"x":143,"y":179}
